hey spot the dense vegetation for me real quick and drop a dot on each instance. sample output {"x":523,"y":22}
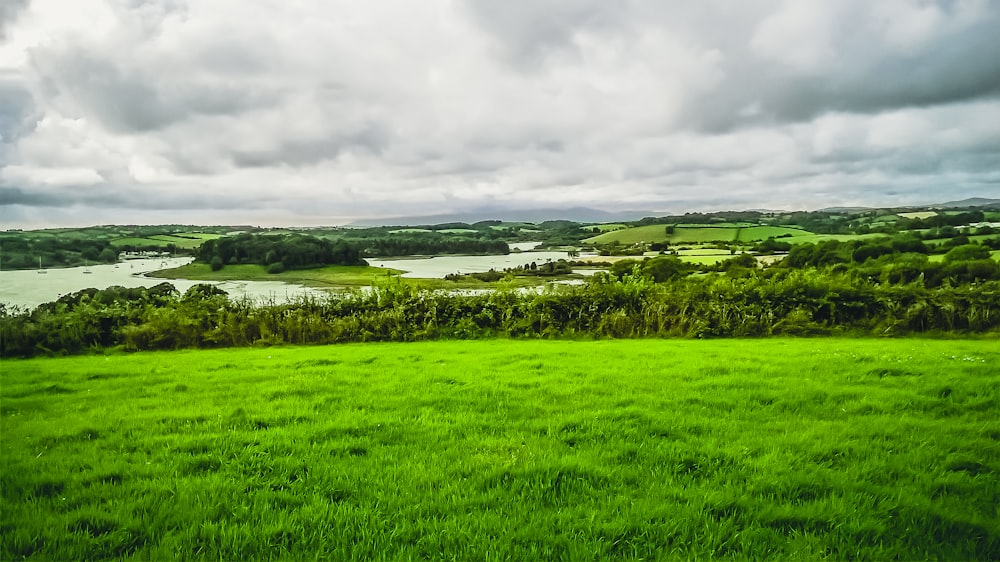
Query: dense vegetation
{"x":739,"y":302}
{"x":70,"y":247}
{"x":278,"y":252}
{"x":785,"y":449}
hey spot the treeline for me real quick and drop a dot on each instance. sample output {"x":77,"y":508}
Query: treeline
{"x":429,"y":244}
{"x":25,"y":252}
{"x":778,"y":301}
{"x":898,"y":261}
{"x":278,"y":252}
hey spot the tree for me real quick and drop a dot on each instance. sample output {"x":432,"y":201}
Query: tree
{"x":216,"y":263}
{"x":967,"y":252}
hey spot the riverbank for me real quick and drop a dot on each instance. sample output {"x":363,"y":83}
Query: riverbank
{"x":339,"y":276}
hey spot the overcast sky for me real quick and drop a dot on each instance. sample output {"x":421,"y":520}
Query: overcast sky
{"x":321,"y":111}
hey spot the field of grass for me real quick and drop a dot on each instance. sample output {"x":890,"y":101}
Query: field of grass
{"x":508,"y":450}
{"x":187,"y":241}
{"x":331,"y":276}
{"x":604,"y":227}
{"x":693,"y":234}
{"x":410,"y":230}
{"x":918,"y":215}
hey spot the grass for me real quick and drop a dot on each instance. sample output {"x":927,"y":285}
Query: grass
{"x":334,"y":276}
{"x":331,"y":276}
{"x":918,"y":215}
{"x":187,"y":240}
{"x":608,"y":227}
{"x":682,"y":234}
{"x":508,"y":450}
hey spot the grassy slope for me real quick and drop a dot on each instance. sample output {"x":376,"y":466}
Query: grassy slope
{"x":782,"y":449}
{"x":331,"y":276}
{"x":657,"y":233}
{"x":186,"y":240}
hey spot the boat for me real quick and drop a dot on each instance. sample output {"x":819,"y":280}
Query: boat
{"x":86,"y":268}
{"x":40,"y":270}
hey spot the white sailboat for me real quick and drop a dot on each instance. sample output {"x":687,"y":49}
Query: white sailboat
{"x":40,"y":270}
{"x":86,"y":268}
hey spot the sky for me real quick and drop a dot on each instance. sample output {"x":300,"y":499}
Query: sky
{"x":320,"y":112}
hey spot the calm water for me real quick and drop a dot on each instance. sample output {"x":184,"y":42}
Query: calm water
{"x":439,"y":266}
{"x":28,"y":288}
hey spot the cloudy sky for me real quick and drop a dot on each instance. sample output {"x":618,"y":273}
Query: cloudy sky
{"x":322,"y":111}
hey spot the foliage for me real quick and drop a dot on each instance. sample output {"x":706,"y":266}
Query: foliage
{"x":293,"y":251}
{"x":739,"y":301}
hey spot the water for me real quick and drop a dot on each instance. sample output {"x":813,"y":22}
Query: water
{"x":28,"y":288}
{"x":439,"y":266}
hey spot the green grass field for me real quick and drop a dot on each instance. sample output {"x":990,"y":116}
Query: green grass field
{"x":918,"y":215}
{"x":682,"y":234}
{"x":330,"y":276}
{"x":508,"y":450}
{"x":187,"y":240}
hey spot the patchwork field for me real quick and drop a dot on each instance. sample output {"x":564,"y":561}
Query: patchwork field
{"x":695,"y":234}
{"x":185,"y":241}
{"x":507,"y":450}
{"x":330,"y":276}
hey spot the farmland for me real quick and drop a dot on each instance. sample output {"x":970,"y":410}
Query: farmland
{"x":780,"y":448}
{"x":693,"y":234}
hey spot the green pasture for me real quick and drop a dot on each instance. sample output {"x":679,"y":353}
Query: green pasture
{"x":185,"y":240}
{"x":790,"y":449}
{"x":696,"y":234}
{"x":918,"y":215}
{"x":604,"y":227}
{"x":329,"y":276}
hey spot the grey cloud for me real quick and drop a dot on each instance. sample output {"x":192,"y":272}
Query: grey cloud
{"x":132,"y":99}
{"x":17,"y":110}
{"x":528,"y":30}
{"x":372,"y":138}
{"x":9,"y":12}
{"x":867,"y":77}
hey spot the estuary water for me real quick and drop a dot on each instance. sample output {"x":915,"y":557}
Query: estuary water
{"x":29,"y":288}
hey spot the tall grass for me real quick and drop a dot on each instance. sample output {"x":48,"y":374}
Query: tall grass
{"x":487,"y":450}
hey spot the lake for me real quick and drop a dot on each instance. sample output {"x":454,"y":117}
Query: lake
{"x":28,"y":288}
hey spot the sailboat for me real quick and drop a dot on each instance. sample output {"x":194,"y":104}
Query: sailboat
{"x":86,"y":268}
{"x":40,"y":270}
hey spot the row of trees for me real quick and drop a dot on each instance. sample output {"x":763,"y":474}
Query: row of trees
{"x":25,"y":252}
{"x":291,"y":251}
{"x":780,"y":301}
{"x":430,"y":244}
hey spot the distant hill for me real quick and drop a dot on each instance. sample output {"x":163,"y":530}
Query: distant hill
{"x":576,"y":214}
{"x":971,"y":202}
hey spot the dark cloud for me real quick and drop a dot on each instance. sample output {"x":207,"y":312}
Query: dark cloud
{"x":17,"y":110}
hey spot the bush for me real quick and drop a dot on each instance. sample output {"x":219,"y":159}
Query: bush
{"x":276,"y":267}
{"x":216,"y":263}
